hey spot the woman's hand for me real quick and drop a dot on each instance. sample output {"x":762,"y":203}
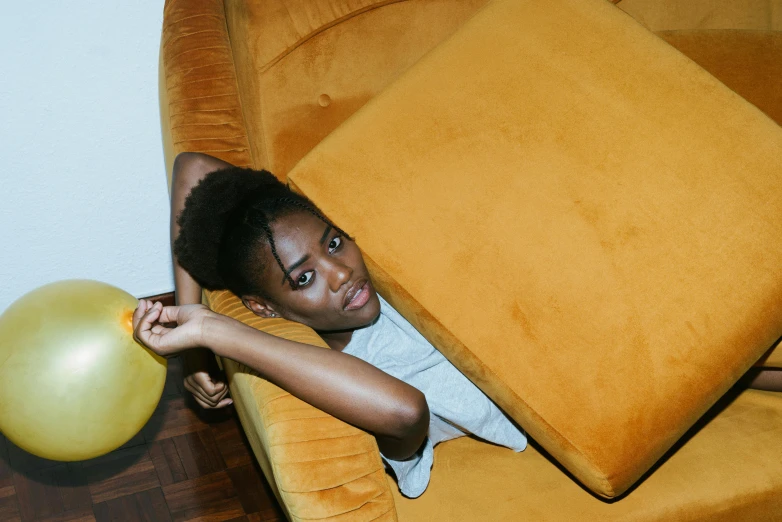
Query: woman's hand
{"x":152,"y":327}
{"x":204,"y":379}
{"x":170,"y":329}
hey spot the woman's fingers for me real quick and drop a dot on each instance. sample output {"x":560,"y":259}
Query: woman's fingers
{"x":222,"y":404}
{"x":141,"y":309}
{"x":210,"y":396}
{"x":209,"y":406}
{"x":204,"y":382}
{"x":202,"y":403}
{"x":206,"y":401}
{"x":142,"y":330}
{"x":202,"y":399}
{"x":168,"y":314}
{"x":225,"y":402}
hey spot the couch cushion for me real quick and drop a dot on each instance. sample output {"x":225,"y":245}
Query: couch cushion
{"x":583,"y":220}
{"x":747,"y":61}
{"x":729,"y":470}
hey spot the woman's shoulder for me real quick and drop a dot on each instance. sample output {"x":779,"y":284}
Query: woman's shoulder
{"x":404,"y":326}
{"x":390,"y":338}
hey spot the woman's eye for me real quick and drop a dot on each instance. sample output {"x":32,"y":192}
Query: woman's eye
{"x":335,"y":244}
{"x":304,"y":279}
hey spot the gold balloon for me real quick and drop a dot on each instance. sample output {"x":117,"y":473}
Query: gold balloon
{"x":74,"y":384}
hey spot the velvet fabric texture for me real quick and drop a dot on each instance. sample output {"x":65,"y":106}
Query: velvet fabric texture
{"x":691,"y":15}
{"x":264,"y":82}
{"x":200,"y":107}
{"x":749,"y":62}
{"x":738,"y":41}
{"x":308,"y":65}
{"x":772,"y":358}
{"x":724,"y":470}
{"x":565,"y":205}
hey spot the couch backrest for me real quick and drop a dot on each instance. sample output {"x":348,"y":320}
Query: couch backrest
{"x":303,"y":67}
{"x":678,"y":15}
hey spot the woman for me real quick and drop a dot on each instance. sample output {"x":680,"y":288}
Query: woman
{"x":244,"y":231}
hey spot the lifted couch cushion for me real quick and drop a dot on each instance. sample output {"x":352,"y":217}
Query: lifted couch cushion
{"x":584,"y":221}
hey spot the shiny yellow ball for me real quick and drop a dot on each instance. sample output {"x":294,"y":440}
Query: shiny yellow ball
{"x":74,"y":384}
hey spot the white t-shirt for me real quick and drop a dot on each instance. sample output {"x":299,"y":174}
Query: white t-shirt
{"x":457,"y":407}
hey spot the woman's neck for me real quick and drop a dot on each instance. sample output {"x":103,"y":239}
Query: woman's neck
{"x":337,"y":340}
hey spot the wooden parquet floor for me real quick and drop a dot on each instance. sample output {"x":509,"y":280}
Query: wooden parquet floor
{"x":185,"y":465}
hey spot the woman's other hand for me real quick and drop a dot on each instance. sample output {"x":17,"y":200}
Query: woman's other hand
{"x":203,"y":381}
{"x":167,"y":330}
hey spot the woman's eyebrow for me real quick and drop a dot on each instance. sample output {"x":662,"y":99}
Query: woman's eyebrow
{"x":298,"y":263}
{"x":293,"y":267}
{"x":325,"y":234}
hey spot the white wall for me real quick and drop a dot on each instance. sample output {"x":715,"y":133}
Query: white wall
{"x":83,"y":191}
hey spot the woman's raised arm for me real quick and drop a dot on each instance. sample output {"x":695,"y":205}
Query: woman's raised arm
{"x":189,"y":169}
{"x":200,"y":368}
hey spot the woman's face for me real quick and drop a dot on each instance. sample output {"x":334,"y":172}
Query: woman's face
{"x":333,"y":290}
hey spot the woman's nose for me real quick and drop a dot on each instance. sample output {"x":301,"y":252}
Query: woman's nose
{"x":340,"y":274}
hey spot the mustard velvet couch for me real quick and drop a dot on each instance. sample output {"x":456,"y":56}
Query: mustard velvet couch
{"x":262,"y":83}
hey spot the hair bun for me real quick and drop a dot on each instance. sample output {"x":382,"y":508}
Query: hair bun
{"x":208,"y":209}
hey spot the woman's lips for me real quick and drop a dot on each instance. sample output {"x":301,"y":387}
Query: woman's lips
{"x":359,"y":298}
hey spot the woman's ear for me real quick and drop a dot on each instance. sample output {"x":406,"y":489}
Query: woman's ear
{"x":259,"y":307}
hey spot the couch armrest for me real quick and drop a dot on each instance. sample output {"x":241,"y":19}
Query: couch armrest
{"x":320,"y":467}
